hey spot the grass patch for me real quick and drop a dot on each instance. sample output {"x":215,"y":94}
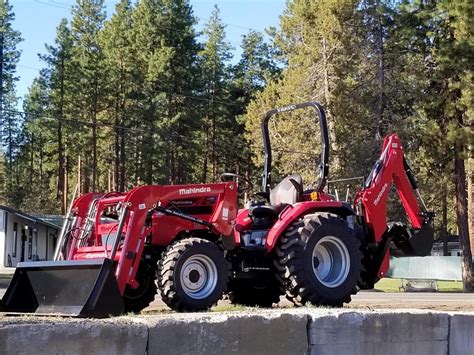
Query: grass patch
{"x":389,"y":285}
{"x":395,"y":285}
{"x":450,"y":286}
{"x":231,"y":308}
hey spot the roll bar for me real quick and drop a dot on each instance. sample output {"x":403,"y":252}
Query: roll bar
{"x":323,"y":166}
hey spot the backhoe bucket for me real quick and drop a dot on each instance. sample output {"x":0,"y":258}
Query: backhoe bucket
{"x":408,"y":242}
{"x":86,"y":288}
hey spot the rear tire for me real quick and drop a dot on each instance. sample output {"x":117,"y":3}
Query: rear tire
{"x":319,"y":261}
{"x":192,"y":275}
{"x":139,"y":298}
{"x":366,"y":280}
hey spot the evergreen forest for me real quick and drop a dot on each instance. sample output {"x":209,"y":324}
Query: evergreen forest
{"x":140,"y":96}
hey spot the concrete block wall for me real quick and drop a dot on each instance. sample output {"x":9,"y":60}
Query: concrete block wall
{"x":379,"y":333}
{"x":293,"y":331}
{"x":29,"y":335}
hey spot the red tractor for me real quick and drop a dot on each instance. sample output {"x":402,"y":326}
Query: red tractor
{"x":317,"y":249}
{"x":195,"y":243}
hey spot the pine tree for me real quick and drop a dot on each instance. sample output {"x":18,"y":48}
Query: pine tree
{"x":455,"y":40}
{"x":255,"y":68}
{"x":9,"y":56}
{"x":164,"y":43}
{"x":315,"y":40}
{"x":88,"y":20}
{"x":218,"y":124}
{"x":60,"y":73}
{"x":36,"y":164}
{"x":119,"y":60}
{"x":433,"y":34}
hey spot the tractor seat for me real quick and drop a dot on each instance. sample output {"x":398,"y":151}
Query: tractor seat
{"x":262,"y":211}
{"x":288,"y":191}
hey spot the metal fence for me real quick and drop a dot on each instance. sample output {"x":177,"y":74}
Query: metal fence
{"x":428,"y":267}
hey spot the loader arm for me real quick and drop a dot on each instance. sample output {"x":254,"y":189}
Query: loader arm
{"x":100,"y":251}
{"x":142,"y":215}
{"x":136,"y":205}
{"x":392,"y":168}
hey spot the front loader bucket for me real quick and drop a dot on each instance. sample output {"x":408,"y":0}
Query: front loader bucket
{"x":86,"y":288}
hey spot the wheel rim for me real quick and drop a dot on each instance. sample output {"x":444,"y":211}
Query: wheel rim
{"x":331,"y":261}
{"x":199,"y":276}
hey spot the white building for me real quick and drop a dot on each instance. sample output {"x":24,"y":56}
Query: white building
{"x":24,"y":238}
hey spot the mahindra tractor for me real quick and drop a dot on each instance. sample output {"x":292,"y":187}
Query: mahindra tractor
{"x":192,"y":244}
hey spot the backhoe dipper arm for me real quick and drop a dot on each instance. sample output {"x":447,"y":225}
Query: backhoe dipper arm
{"x":391,"y":167}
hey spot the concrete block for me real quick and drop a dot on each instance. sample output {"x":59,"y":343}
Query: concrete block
{"x":58,"y":336}
{"x":461,"y":334}
{"x":378,"y":333}
{"x":224,"y":333}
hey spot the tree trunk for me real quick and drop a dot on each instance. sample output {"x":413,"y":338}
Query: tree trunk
{"x":137,"y":160}
{"x":204,"y":166}
{"x":121,"y":114}
{"x":43,"y":188}
{"x":94,"y":152}
{"x":1,"y":75}
{"x":470,"y":196}
{"x":444,"y":219}
{"x":380,"y":76}
{"x":171,"y":146}
{"x":61,"y":183}
{"x":95,"y":110}
{"x":327,"y":101}
{"x":61,"y":175}
{"x":462,"y":218}
{"x":10,"y":144}
{"x":116,"y":148}
{"x":32,"y":159}
{"x":66,"y":170}
{"x":121,"y":176}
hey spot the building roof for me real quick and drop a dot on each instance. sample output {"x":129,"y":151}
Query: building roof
{"x":57,"y":220}
{"x":29,"y":217}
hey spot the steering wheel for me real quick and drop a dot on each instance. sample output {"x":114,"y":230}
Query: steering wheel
{"x":247,"y":186}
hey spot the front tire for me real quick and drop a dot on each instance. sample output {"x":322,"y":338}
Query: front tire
{"x":139,"y":298}
{"x":319,"y":261}
{"x":192,"y":275}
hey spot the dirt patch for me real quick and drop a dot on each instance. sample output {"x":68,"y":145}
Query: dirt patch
{"x":366,"y":301}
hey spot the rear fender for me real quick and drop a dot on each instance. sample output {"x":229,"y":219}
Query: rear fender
{"x":293,"y":212}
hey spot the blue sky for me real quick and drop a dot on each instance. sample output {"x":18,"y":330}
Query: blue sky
{"x":37,"y":21}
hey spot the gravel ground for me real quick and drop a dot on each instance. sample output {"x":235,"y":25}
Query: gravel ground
{"x":368,"y":300}
{"x":365,"y":300}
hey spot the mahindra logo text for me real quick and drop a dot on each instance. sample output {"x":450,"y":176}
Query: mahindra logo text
{"x":194,"y":190}
{"x":379,"y":196}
